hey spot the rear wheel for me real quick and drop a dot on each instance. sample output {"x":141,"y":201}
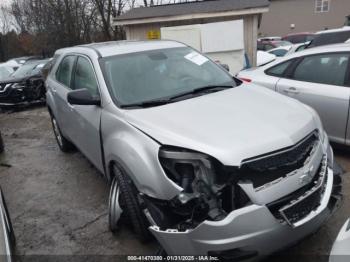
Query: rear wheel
{"x":62,"y":142}
{"x":125,"y":194}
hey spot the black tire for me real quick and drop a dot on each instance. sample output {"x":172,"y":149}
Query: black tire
{"x":1,"y":144}
{"x":131,"y":206}
{"x":337,"y":168}
{"x":62,"y":142}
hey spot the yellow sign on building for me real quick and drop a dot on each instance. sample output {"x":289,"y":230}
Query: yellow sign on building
{"x":153,"y":34}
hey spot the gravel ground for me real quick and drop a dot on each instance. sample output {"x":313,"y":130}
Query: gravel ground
{"x":58,"y":202}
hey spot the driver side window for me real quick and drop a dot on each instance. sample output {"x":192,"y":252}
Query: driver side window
{"x":85,"y":76}
{"x":64,"y":72}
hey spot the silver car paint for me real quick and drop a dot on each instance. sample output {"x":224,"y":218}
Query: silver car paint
{"x":331,"y":102}
{"x":230,"y":125}
{"x":341,"y":247}
{"x":241,"y":229}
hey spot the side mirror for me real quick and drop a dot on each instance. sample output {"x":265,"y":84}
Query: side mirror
{"x":82,"y":97}
{"x":225,"y":66}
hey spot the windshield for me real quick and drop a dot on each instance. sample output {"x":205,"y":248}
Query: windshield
{"x":24,"y":70}
{"x":5,"y":72}
{"x":159,"y":74}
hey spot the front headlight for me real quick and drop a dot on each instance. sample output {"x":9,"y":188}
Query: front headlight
{"x":197,"y":173}
{"x":18,"y":86}
{"x":186,"y":167}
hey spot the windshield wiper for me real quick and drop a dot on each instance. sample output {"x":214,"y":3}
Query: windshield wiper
{"x":159,"y":102}
{"x":150,"y":103}
{"x":204,"y":89}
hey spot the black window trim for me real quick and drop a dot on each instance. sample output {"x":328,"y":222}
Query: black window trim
{"x":93,"y":68}
{"x":285,"y":70}
{"x":73,"y":70}
{"x":290,"y":70}
{"x":295,"y":65}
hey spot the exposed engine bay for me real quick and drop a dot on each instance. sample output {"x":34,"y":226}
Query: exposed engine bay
{"x":211,"y":191}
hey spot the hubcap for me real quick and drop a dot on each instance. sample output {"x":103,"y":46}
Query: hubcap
{"x":115,"y":210}
{"x":57,"y":132}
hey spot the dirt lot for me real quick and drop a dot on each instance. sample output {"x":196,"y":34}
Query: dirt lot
{"x":58,"y":202}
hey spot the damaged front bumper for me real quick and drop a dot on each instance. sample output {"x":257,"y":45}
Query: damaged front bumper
{"x":20,"y":93}
{"x":251,"y":230}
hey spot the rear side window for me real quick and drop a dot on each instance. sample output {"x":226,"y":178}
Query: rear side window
{"x":278,"y":70}
{"x":330,"y":38}
{"x":64,"y":72}
{"x":327,"y":69}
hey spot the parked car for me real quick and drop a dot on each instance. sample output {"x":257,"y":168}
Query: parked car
{"x":5,"y":71}
{"x":341,"y":248}
{"x":270,"y":38}
{"x":263,"y":58}
{"x":268,"y":45}
{"x":333,"y":36}
{"x":16,"y":63}
{"x":289,"y":49}
{"x":205,"y":162}
{"x":318,"y":77}
{"x":298,"y":38}
{"x":26,"y":85}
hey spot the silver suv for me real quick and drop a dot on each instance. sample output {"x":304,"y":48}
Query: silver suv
{"x":206,"y":163}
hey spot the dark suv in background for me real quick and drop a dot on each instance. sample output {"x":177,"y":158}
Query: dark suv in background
{"x":333,"y":36}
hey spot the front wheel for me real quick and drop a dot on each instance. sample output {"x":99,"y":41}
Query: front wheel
{"x":115,"y":210}
{"x":124,"y":196}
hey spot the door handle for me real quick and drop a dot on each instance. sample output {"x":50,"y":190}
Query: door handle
{"x":53,"y":89}
{"x":291,"y":90}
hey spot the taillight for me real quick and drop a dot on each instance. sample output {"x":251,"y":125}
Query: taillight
{"x":245,"y":79}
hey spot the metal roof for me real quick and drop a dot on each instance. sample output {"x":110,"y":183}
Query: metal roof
{"x":112,"y":48}
{"x":209,"y":6}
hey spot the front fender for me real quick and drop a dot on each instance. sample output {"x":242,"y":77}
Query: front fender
{"x":137,"y":154}
{"x":50,"y":102}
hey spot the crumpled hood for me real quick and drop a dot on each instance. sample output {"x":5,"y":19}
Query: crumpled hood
{"x":231,"y":125}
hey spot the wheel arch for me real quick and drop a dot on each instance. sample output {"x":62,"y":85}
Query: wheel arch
{"x":137,"y":156}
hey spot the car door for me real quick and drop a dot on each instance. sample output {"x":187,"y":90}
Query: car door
{"x":60,"y":89}
{"x":269,"y":77}
{"x":85,"y":125}
{"x":320,"y":82}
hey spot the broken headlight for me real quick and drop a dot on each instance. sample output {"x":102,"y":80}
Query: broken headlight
{"x":196,"y":173}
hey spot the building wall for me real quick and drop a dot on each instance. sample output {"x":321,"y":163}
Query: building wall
{"x":139,"y":32}
{"x":302,"y":13}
